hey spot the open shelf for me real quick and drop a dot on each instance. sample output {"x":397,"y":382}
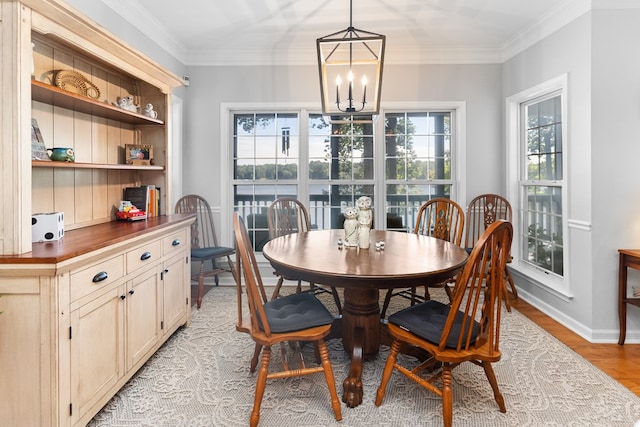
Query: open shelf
{"x":44,"y":92}
{"x":76,"y":165}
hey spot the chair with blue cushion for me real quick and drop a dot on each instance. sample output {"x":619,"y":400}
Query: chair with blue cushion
{"x":287,"y":215}
{"x":204,"y":242}
{"x":289,"y":319}
{"x":467,"y":330}
{"x":443,"y":219}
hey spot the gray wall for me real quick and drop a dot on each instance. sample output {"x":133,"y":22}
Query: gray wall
{"x":603,"y":123}
{"x":615,"y":126}
{"x":478,"y":85}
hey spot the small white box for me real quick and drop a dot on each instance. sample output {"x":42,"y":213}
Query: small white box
{"x":47,"y":226}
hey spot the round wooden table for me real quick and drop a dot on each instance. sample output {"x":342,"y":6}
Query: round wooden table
{"x":407,"y":260}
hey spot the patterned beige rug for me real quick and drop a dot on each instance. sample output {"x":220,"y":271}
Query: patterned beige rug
{"x":200,"y":377}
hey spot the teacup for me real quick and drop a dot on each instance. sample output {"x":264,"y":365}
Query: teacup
{"x":62,"y":154}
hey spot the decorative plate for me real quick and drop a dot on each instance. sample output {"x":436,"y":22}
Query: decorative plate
{"x":77,"y":83}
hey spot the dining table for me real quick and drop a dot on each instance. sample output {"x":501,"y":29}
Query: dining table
{"x":392,"y":260}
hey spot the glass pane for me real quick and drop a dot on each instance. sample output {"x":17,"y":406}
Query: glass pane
{"x":394,"y":123}
{"x":244,"y":169}
{"x":244,"y":147}
{"x":244,"y":124}
{"x":395,"y":168}
{"x":266,"y":146}
{"x":363,"y":169}
{"x":546,"y":112}
{"x":319,"y":169}
{"x":418,"y":169}
{"x":288,"y":170}
{"x":265,"y":124}
{"x":265,"y":169}
{"x":420,"y":146}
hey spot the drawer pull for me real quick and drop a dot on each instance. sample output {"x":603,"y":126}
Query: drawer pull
{"x":100,"y":277}
{"x":175,"y":242}
{"x":145,"y":256}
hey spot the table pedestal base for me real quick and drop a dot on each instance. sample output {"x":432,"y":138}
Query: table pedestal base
{"x":360,"y":337}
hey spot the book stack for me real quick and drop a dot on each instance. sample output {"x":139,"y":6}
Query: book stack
{"x":145,"y":197}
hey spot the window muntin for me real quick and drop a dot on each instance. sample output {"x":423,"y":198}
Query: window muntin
{"x":542,"y":184}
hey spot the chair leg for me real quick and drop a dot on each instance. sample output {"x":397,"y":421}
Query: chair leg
{"x":385,"y":304}
{"x":491,"y":376}
{"x":388,"y":370}
{"x":276,"y":291}
{"x":328,"y":375}
{"x":260,"y":385}
{"x":512,"y":285}
{"x":447,"y":394}
{"x":336,"y":298}
{"x":200,"y":286}
{"x":254,"y":360}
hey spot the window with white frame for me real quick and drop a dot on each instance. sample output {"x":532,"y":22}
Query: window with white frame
{"x":418,"y":163}
{"x":536,"y":120}
{"x":328,"y":163}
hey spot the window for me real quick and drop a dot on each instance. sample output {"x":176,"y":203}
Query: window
{"x":542,"y":184}
{"x":417,"y":163}
{"x":400,"y":159}
{"x":537,"y":144}
{"x":266,"y":163}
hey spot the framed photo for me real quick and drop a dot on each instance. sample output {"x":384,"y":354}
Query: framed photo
{"x":138,"y":154}
{"x":38,"y":149}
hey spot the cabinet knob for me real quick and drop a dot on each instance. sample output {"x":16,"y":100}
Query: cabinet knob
{"x":100,"y":277}
{"x":123,"y":296}
{"x":175,"y":242}
{"x":131,"y":292}
{"x":145,"y":256}
{"x":166,"y":270}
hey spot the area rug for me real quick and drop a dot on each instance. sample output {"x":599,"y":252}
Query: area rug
{"x":200,"y":377}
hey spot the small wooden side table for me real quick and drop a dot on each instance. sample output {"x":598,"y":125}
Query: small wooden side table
{"x":629,"y":258}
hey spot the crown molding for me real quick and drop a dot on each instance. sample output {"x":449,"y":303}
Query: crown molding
{"x":563,"y":13}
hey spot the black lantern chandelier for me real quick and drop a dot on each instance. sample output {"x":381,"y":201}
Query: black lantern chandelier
{"x":344,"y":57}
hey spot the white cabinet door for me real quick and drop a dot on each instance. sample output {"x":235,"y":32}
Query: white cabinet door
{"x":97,"y":349}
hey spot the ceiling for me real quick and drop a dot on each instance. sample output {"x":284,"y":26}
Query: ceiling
{"x":216,"y":32}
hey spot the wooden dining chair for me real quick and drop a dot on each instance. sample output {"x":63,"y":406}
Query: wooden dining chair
{"x":204,"y":242}
{"x":467,"y":330}
{"x":482,"y":211}
{"x":441,"y":218}
{"x":287,"y":215}
{"x":289,"y":319}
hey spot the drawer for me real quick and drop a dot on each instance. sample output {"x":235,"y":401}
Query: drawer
{"x":145,"y":255}
{"x":99,"y":275}
{"x":175,"y":242}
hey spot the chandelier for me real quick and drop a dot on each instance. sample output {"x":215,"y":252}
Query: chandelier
{"x":352,"y":60}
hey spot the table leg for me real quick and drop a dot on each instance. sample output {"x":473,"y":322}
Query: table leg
{"x":360,"y":337}
{"x":622,"y":294}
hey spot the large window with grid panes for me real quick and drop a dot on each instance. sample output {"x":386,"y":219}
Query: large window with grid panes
{"x":400,"y":159}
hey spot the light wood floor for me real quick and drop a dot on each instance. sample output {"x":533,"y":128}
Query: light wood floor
{"x":619,"y":362}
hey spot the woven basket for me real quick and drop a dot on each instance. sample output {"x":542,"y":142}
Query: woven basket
{"x":72,"y":81}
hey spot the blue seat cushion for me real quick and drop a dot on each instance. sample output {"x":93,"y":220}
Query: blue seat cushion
{"x":213,"y":252}
{"x":296,"y":312}
{"x":427,"y":321}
